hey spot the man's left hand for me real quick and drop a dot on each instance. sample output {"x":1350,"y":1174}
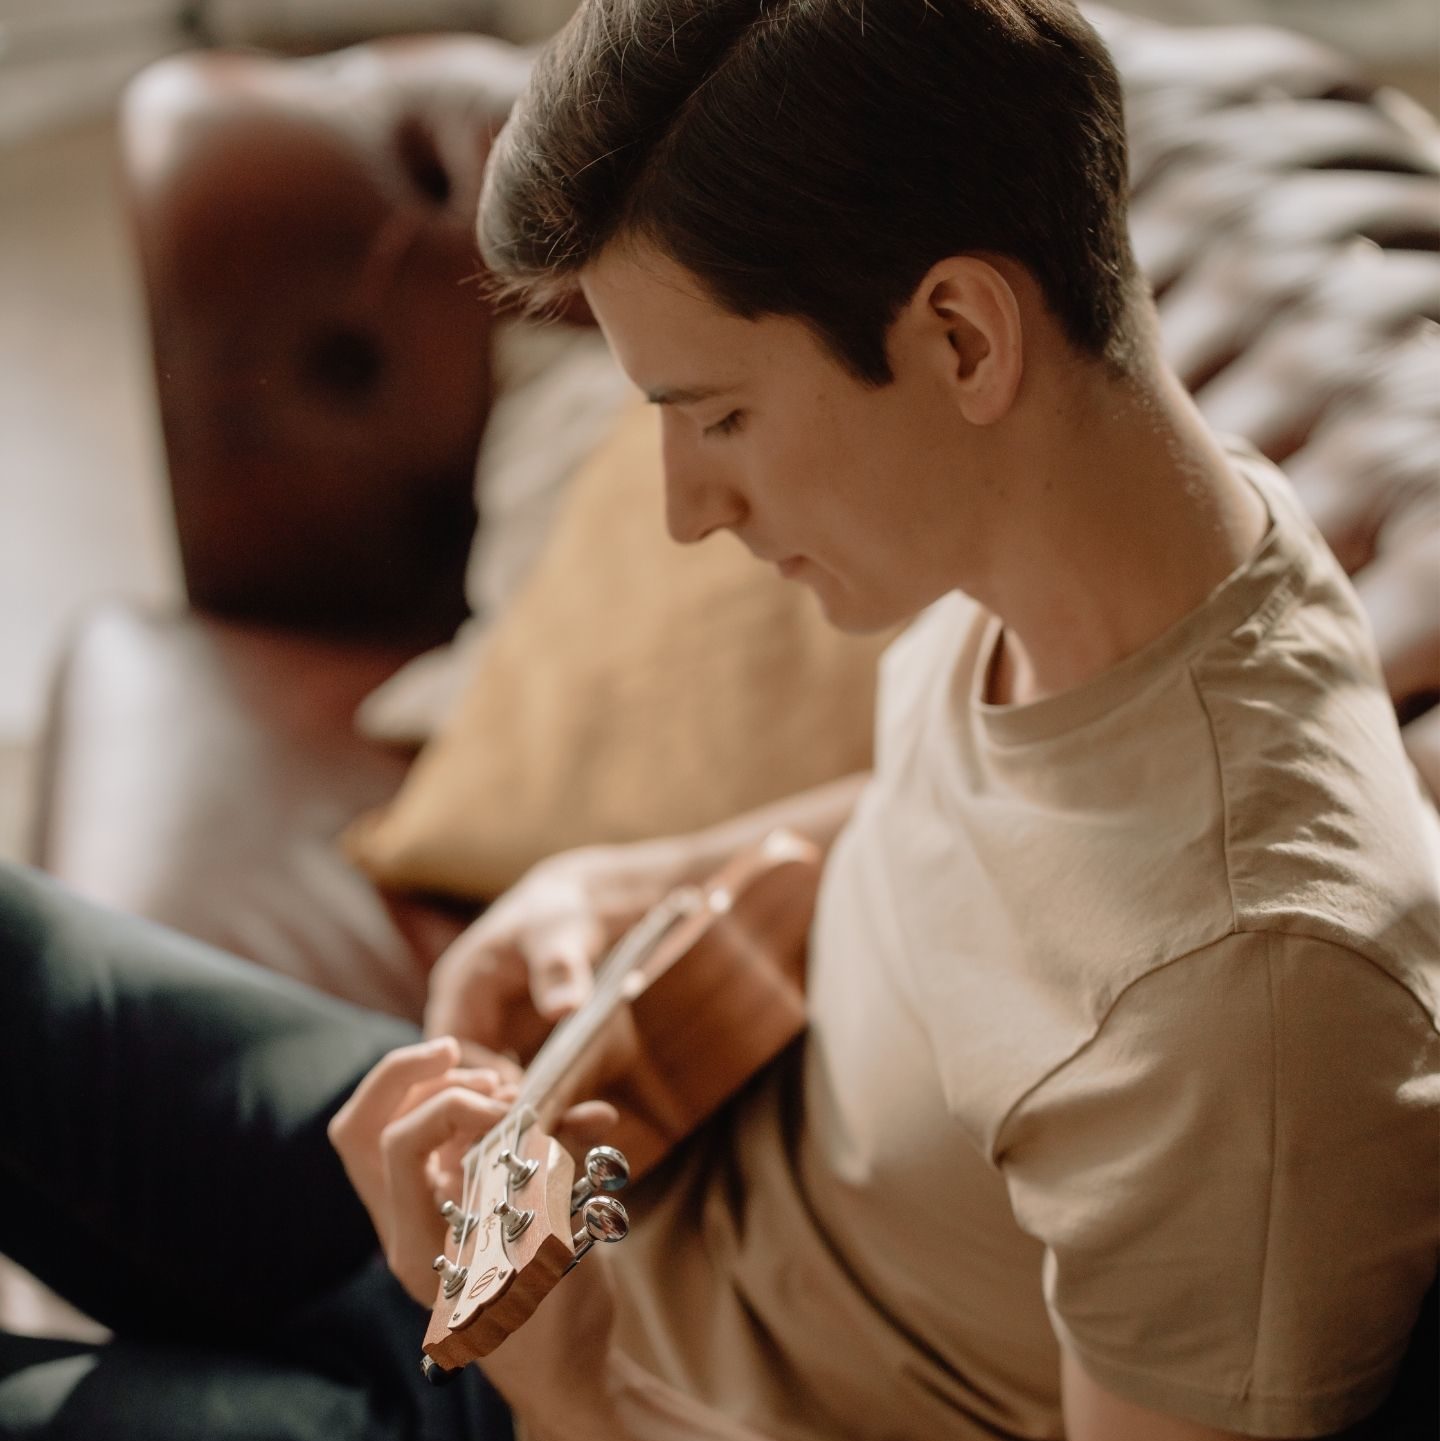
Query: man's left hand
{"x":403,"y":1133}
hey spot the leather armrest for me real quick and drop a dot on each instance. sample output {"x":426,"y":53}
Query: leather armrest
{"x":321,"y":346}
{"x":198,"y":771}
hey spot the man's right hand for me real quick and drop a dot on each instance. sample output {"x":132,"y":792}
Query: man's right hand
{"x":529,"y":960}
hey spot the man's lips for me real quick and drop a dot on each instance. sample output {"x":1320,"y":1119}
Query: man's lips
{"x":787,"y":565}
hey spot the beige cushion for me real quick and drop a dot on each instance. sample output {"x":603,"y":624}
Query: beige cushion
{"x":557,"y":393}
{"x":633,"y":688}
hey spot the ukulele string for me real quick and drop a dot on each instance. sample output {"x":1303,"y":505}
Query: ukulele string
{"x":470,"y":1194}
{"x":569,"y":1040}
{"x":467,"y":1200}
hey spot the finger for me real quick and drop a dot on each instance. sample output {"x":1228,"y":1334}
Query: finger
{"x":446,"y":1173}
{"x":473,"y":996}
{"x":591,"y":1123}
{"x":483,"y":1080}
{"x":446,"y":1169}
{"x":406,"y":1144}
{"x":379,"y":1094}
{"x":457,"y":1114}
{"x":475,"y":1055}
{"x":562,"y":967}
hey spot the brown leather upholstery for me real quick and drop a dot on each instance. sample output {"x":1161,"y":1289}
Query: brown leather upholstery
{"x":321,"y":348}
{"x":305,"y":227}
{"x":199,"y":771}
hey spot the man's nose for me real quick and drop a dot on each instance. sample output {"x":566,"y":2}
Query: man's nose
{"x":699,"y":496}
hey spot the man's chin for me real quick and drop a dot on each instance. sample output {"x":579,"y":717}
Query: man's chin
{"x":849,"y":618}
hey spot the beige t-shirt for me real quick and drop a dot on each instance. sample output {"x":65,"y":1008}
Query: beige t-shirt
{"x":1124,"y":1027}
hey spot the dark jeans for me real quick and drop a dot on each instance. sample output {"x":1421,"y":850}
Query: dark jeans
{"x":164,"y":1166}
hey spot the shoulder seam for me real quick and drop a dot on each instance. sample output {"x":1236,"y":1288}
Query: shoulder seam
{"x":1349,"y":945}
{"x":1269,"y":933}
{"x":1248,"y":1382}
{"x":1089,"y":1040}
{"x":1220,"y":783}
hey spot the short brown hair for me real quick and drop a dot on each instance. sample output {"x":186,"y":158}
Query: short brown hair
{"x":814,"y":158}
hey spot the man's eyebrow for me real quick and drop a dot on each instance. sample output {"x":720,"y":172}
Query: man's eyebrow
{"x":686,"y":395}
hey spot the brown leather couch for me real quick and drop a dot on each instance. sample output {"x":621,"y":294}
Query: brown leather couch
{"x":321,"y":357}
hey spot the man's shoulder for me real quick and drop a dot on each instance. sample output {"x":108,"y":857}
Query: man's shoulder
{"x":1326,"y":831}
{"x":1235,"y":1182}
{"x":1211,"y":1030}
{"x":1323,"y":829}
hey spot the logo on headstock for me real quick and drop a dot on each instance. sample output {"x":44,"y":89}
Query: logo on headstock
{"x":482,"y":1281}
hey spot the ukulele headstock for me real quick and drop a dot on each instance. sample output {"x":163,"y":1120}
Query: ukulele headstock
{"x":522,"y":1222}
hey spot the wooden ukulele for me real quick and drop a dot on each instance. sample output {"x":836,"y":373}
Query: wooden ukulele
{"x":695,"y":999}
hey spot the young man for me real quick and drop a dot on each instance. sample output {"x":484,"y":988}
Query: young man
{"x":1118,"y":1110}
{"x":1116,"y":1118}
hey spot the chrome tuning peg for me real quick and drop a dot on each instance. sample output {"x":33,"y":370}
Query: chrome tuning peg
{"x":605,"y":1220}
{"x":606,"y":1170}
{"x":513,"y":1219}
{"x":461,"y":1222}
{"x":519,"y":1171}
{"x":452,"y":1276}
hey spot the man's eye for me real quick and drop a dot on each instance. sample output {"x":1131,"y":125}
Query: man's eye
{"x":728,"y":426}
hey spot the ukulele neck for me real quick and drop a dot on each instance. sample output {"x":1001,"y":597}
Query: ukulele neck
{"x":619,"y":977}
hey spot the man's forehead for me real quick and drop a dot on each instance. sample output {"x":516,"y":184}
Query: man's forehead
{"x":673,"y":341}
{"x":635,"y":273}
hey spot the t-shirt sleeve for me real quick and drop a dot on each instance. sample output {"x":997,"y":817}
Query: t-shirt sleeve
{"x":1236,"y":1184}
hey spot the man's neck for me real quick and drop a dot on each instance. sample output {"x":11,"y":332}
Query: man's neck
{"x":1130,"y":515}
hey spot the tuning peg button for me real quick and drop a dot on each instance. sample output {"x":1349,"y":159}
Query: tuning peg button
{"x":452,"y":1276}
{"x":605,"y":1220}
{"x":519,"y":1171}
{"x":461,"y":1222}
{"x":513,"y":1219}
{"x":606,"y":1170}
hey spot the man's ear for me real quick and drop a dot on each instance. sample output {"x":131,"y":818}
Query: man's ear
{"x":972,"y":305}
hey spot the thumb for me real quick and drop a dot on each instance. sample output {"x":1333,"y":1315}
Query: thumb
{"x":591,"y":1123}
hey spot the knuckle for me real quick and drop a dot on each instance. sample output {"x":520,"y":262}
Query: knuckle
{"x":394,"y":1066}
{"x":478,"y":958}
{"x":392,"y":1140}
{"x":556,"y":968}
